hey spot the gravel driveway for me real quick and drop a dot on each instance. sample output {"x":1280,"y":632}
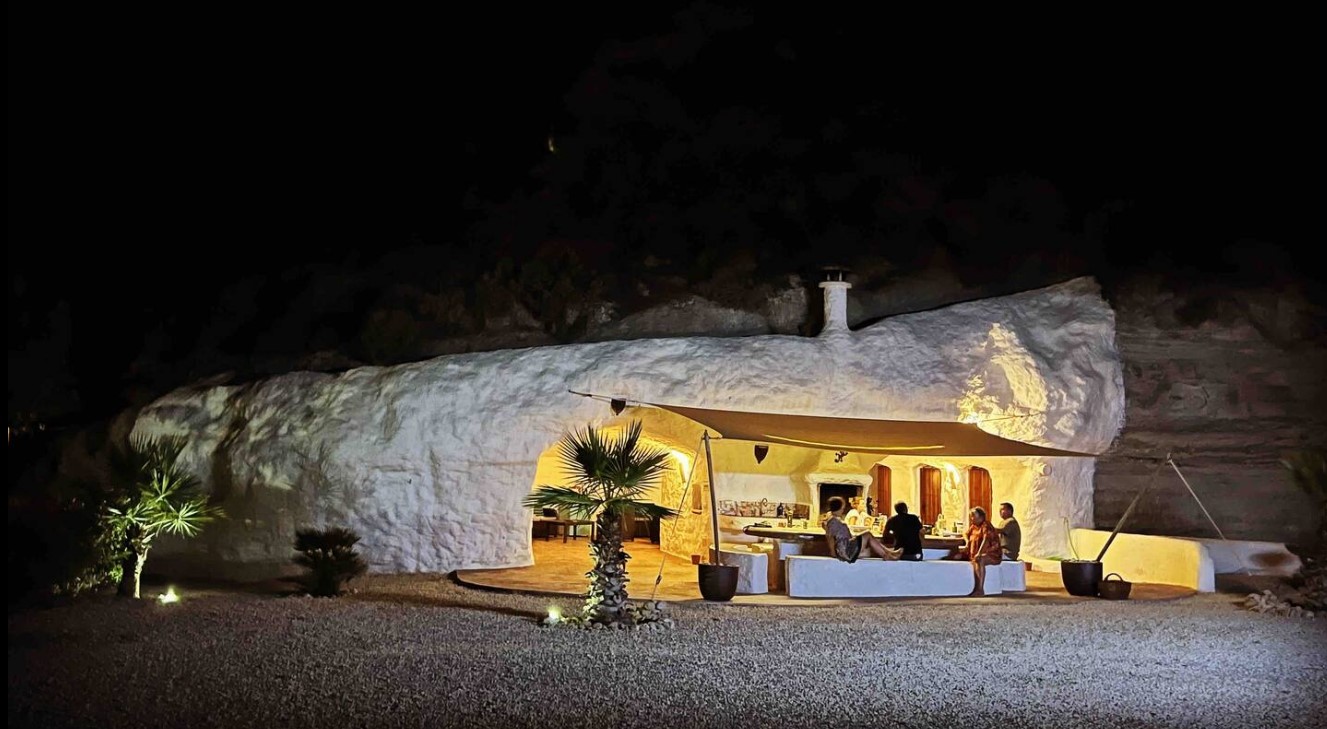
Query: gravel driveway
{"x":421,"y":651}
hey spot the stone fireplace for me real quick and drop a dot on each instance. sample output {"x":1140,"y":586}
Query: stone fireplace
{"x":823,"y":485}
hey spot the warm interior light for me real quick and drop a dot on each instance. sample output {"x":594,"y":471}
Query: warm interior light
{"x":839,"y":446}
{"x":168,"y":596}
{"x":684,"y":462}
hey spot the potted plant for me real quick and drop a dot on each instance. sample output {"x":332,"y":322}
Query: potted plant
{"x":718,"y":581}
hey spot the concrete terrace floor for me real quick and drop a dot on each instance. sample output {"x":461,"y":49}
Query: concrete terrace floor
{"x":560,"y":568}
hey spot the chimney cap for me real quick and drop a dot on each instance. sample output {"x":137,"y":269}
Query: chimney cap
{"x":835,"y":272}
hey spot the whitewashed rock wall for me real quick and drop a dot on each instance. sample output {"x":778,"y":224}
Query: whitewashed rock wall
{"x":429,"y":461}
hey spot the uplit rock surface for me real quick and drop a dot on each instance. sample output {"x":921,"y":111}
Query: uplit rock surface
{"x":1229,"y":385}
{"x":429,"y":461}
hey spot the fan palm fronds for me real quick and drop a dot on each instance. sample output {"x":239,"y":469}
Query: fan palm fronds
{"x":608,"y":475}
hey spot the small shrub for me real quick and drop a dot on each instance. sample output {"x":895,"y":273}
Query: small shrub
{"x":58,"y":545}
{"x":152,"y":494}
{"x":390,"y":336}
{"x":331,"y":560}
{"x":1308,"y":469}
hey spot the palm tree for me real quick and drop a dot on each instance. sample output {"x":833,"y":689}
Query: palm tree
{"x":609,"y":474}
{"x":154,"y":495}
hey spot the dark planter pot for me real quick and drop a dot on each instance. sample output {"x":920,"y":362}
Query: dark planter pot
{"x":1116,"y":589}
{"x":1081,"y":576}
{"x":718,"y":582}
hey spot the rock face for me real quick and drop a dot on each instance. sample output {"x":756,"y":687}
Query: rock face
{"x":429,"y":461}
{"x":687,"y":317}
{"x":1229,"y":385}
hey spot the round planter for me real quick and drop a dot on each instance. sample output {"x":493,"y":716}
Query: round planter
{"x":1081,"y":576}
{"x":718,"y":582}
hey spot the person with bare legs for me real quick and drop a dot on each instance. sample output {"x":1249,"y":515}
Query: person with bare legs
{"x":846,"y":547}
{"x":981,"y":547}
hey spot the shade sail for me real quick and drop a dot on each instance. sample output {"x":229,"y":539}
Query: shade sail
{"x":862,"y":435}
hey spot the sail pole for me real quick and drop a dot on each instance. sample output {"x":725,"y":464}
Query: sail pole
{"x":714,"y":501}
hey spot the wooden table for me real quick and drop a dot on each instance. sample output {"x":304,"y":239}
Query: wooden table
{"x":568,"y":525}
{"x":811,"y":540}
{"x":814,"y":533}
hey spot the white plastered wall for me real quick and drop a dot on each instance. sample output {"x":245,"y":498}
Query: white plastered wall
{"x":429,"y":461}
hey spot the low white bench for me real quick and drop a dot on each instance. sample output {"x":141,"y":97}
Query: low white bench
{"x":752,"y":567}
{"x":829,"y":577}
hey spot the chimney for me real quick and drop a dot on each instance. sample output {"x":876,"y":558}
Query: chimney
{"x":836,"y":300}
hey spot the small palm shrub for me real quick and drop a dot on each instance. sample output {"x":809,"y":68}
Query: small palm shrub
{"x":331,"y":560}
{"x":152,"y":494}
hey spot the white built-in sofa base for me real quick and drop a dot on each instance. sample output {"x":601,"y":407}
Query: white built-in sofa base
{"x":752,"y":568}
{"x":829,"y":577}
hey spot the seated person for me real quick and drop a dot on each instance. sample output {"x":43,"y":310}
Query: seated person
{"x":846,"y":547}
{"x":907,"y":532}
{"x":981,"y":547}
{"x":1011,"y":534}
{"x":856,"y":516}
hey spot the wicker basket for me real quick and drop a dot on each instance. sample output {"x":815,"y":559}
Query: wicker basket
{"x":1116,"y":589}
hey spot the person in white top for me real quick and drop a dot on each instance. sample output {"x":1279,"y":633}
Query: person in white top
{"x":856,"y":515}
{"x":846,"y":547}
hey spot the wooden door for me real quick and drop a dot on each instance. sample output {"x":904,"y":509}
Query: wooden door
{"x":884,"y":499}
{"x":979,"y":490}
{"x":930,"y":494}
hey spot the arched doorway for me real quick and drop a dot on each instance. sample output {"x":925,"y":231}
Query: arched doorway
{"x":979,"y":489}
{"x":882,"y":490}
{"x":929,"y":493}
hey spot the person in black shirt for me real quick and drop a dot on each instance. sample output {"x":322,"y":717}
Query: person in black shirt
{"x":844,"y":545}
{"x":907,"y":532}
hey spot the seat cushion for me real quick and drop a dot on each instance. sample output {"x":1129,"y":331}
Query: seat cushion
{"x":828,"y":577}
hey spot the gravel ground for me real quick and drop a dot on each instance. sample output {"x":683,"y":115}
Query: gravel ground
{"x":421,"y":651}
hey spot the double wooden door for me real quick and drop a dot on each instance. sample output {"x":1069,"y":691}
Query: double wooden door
{"x":979,"y":494}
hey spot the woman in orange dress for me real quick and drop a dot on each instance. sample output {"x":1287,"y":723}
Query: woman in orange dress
{"x":981,"y":547}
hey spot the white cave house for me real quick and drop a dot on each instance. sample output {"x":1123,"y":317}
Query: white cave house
{"x":429,"y":461}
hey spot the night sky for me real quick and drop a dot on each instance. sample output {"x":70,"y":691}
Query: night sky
{"x":156,"y":156}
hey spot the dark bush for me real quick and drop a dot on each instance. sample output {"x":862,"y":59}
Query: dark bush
{"x":331,"y":560}
{"x":57,"y":544}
